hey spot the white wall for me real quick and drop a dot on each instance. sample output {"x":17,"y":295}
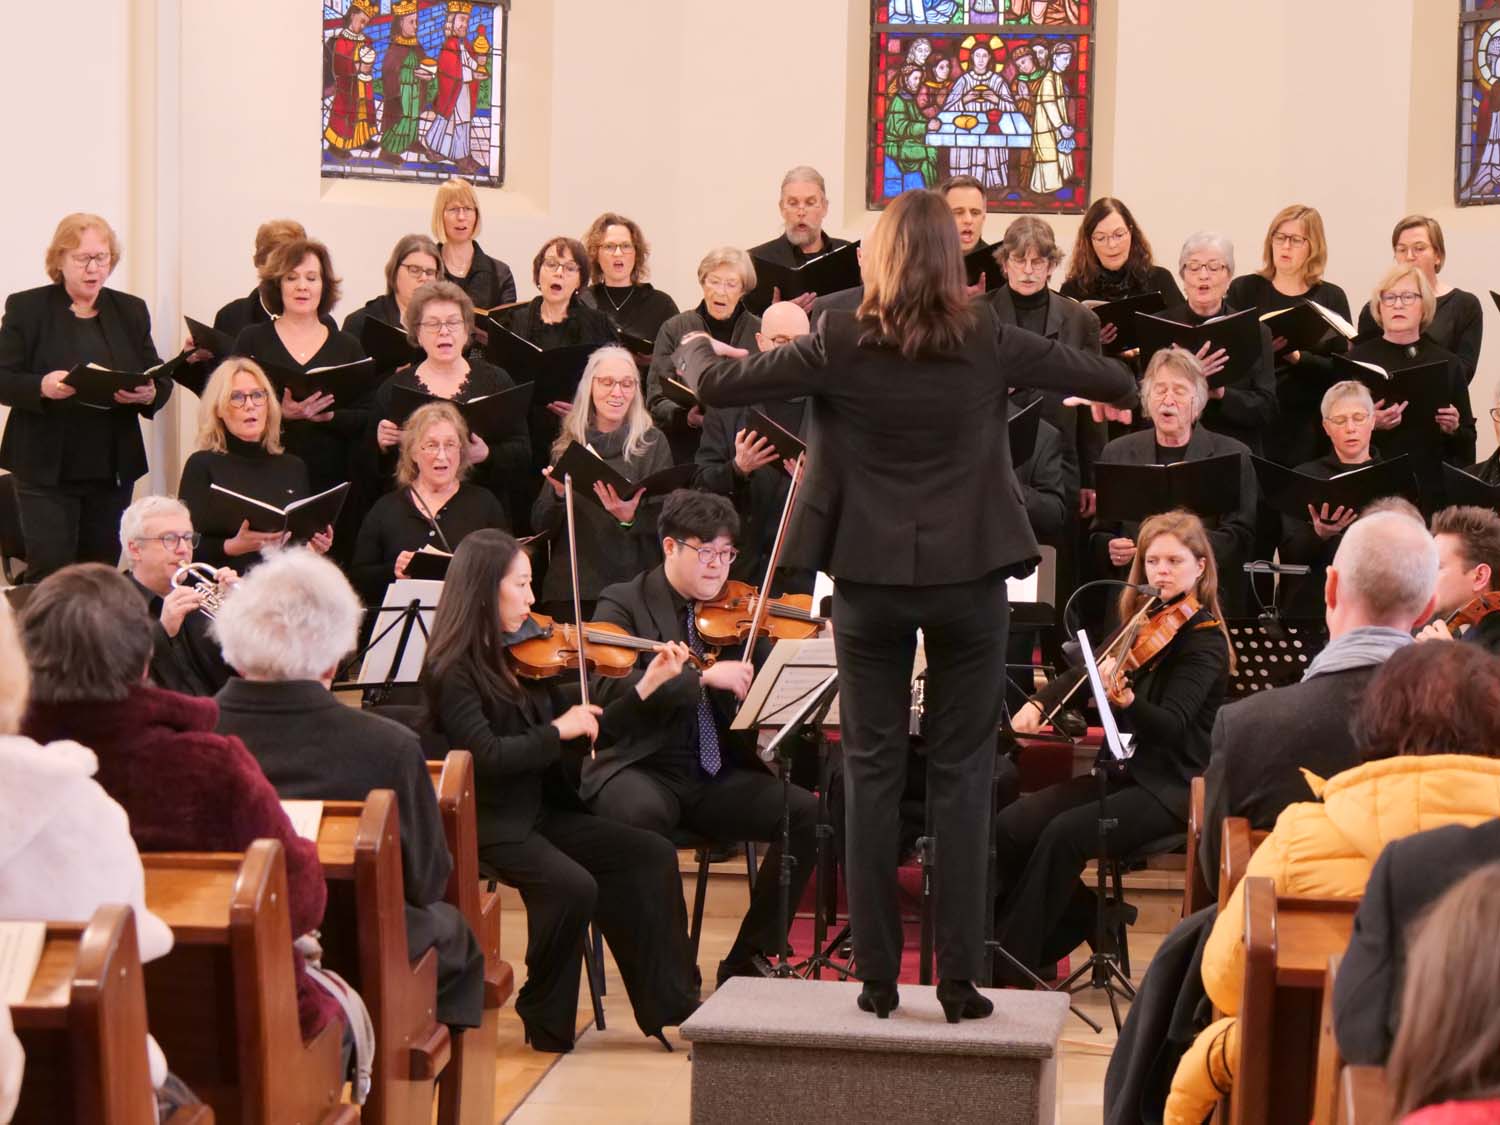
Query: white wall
{"x":1208,"y":115}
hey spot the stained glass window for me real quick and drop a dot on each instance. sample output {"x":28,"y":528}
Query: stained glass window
{"x":414,"y":89}
{"x":998,"y":89}
{"x":1477,"y":178}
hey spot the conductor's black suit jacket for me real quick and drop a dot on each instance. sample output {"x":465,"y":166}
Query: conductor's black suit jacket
{"x":909,"y":480}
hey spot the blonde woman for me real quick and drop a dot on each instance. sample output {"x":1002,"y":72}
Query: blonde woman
{"x":239,"y":448}
{"x":616,"y":536}
{"x":432,"y":506}
{"x":455,"y":225}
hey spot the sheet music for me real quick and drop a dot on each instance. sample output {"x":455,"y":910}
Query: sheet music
{"x":1119,"y":746}
{"x":793,"y":670}
{"x":20,"y":952}
{"x":306,"y":817}
{"x":398,"y":595}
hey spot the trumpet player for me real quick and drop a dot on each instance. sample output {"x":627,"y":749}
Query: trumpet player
{"x":157,"y":536}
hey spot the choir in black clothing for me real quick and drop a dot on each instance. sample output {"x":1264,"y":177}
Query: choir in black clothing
{"x":415,"y":260}
{"x":618,"y":255}
{"x":239,"y":314}
{"x":456,"y":224}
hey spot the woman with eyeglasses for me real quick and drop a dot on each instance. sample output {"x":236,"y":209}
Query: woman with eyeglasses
{"x":432,"y":507}
{"x":1457,"y":320}
{"x":1403,"y":306}
{"x":415,"y":260}
{"x":616,"y":534}
{"x":239,"y":448}
{"x":619,"y":254}
{"x":1293,"y":257}
{"x":726,"y":274}
{"x":1112,"y":260}
{"x":74,"y":466}
{"x":1488,"y":470}
{"x":455,"y":224}
{"x":439,"y":319}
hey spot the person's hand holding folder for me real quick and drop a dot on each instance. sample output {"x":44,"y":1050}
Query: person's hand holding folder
{"x":751,"y":452}
{"x":141,"y":396}
{"x":53,"y":386}
{"x":316,"y":407}
{"x":622,"y":510}
{"x":1328,"y":524}
{"x":248,"y":542}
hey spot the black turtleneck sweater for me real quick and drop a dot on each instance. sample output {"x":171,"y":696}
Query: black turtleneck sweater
{"x":245,"y":468}
{"x":1031,"y":310}
{"x":721,"y":330}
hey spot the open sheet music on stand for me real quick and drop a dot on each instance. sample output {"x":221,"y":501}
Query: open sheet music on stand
{"x":793,"y":671}
{"x":387,"y":658}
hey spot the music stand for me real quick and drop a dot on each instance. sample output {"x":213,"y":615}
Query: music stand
{"x":398,"y":640}
{"x":1272,"y":652}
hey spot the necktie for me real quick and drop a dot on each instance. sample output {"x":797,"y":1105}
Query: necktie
{"x":707,"y":739}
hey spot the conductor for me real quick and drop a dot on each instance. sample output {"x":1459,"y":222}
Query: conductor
{"x":909,"y":501}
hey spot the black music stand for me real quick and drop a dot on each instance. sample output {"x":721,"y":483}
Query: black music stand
{"x":378,"y":676}
{"x":1272,"y":651}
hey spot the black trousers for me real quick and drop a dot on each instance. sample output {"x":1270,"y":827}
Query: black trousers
{"x":68,"y":523}
{"x":1043,"y":841}
{"x":575,"y":868}
{"x":963,"y":627}
{"x":738,"y":804}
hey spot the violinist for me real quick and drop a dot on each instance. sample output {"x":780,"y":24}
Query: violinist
{"x":1468,"y":544}
{"x":686,"y":769}
{"x":571,"y":868}
{"x":1169,"y":702}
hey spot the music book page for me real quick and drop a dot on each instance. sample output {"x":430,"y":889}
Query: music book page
{"x":20,"y":951}
{"x":306,"y":817}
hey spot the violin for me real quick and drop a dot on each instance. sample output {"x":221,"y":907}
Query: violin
{"x":607,"y":649}
{"x":727,"y":619}
{"x":1147,"y":638}
{"x":1475,"y":610}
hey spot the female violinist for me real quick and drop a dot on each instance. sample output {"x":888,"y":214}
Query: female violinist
{"x":1468,"y":544}
{"x":570,"y":867}
{"x":1180,"y":665}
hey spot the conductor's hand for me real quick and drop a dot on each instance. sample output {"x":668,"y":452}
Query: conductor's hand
{"x":1028,"y":720}
{"x":730,"y":675}
{"x":1102,"y":411}
{"x":1121,"y":551}
{"x":579,"y":721}
{"x":667,"y":664}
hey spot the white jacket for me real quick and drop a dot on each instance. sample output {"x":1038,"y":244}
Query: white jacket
{"x":65,"y":848}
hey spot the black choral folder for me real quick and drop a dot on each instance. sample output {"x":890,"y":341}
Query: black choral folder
{"x":220,"y":345}
{"x":1308,"y":327}
{"x":586,"y":468}
{"x":827,"y":273}
{"x":387,"y":345}
{"x":429,"y":564}
{"x":1292,"y":493}
{"x":981,"y":264}
{"x":303,"y":518}
{"x":1238,"y":334}
{"x":1121,"y":314}
{"x":95,"y":386}
{"x":1132,"y":493}
{"x":490,"y":416}
{"x":1023,"y":426}
{"x":1424,"y":388}
{"x":554,"y":372}
{"x":788,"y":445}
{"x":346,"y":382}
{"x":1464,"y":488}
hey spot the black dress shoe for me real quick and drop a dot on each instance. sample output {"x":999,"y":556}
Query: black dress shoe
{"x":541,"y":1040}
{"x":961,"y":1000}
{"x":755,"y":965}
{"x":880,"y":997}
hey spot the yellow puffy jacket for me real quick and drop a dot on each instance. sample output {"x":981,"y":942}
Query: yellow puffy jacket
{"x":1326,"y":850}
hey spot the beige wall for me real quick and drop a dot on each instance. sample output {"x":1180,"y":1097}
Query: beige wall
{"x":1210,"y":114}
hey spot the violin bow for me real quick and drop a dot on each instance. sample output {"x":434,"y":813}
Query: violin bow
{"x":578,"y":629}
{"x":758,"y":618}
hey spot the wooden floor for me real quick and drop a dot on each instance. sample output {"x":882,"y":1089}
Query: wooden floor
{"x":620,"y":1077}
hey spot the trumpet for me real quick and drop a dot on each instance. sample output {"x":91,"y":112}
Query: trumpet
{"x":205,"y":580}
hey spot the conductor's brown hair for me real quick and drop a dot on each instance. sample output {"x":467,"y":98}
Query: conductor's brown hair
{"x":914,"y":279}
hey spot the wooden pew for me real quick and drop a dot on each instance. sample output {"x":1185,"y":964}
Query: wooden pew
{"x":223,"y":1003}
{"x":1363,"y":1097}
{"x":466,"y":1094}
{"x":1240,"y":843}
{"x":364,"y":929}
{"x":1196,"y":893}
{"x":1288,"y":941}
{"x":1345,"y":1095}
{"x":83,"y":1025}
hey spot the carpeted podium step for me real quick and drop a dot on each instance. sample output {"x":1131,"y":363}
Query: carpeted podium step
{"x":783,"y":1051}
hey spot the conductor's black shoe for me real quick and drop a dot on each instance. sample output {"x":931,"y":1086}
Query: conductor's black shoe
{"x":961,"y":1000}
{"x":755,"y":965}
{"x":880,"y":997}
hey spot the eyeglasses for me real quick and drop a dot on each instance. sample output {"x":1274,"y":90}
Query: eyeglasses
{"x":1392,"y":300}
{"x":419,"y":273}
{"x":1339,"y":421}
{"x":1288,"y":240}
{"x":723,"y":284}
{"x":781,"y":341}
{"x":1213,"y":269}
{"x":450,"y":327}
{"x":1027,"y":265}
{"x":460,"y":209}
{"x":254,"y":398}
{"x":618,"y":247}
{"x":433,"y":448}
{"x":84,"y":261}
{"x":609,"y":382}
{"x":556,"y":264}
{"x":172,"y":539}
{"x":1099,"y":238}
{"x":707,"y":555}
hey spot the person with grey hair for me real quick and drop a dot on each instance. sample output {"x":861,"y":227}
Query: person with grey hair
{"x":1173,"y":393}
{"x":157,"y":537}
{"x":1379,"y":587}
{"x":1348,"y":414}
{"x":285,"y":628}
{"x":804,"y":206}
{"x":1245,"y":409}
{"x":1488,"y":470}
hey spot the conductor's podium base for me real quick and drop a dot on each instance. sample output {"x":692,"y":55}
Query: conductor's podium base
{"x":773,"y":1051}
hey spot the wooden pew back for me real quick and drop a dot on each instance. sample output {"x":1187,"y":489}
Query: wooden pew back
{"x":1240,"y":843}
{"x":223,"y":1003}
{"x":1196,"y":893}
{"x":83,"y":1025}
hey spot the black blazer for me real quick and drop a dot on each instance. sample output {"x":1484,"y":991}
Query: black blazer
{"x":1051,"y":495}
{"x":940,"y":503}
{"x":1260,"y":745}
{"x":1410,"y":875}
{"x":489,"y":282}
{"x":670,"y":417}
{"x":35,"y":338}
{"x":644,"y":607}
{"x":1068,"y":322}
{"x":1177,"y":696}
